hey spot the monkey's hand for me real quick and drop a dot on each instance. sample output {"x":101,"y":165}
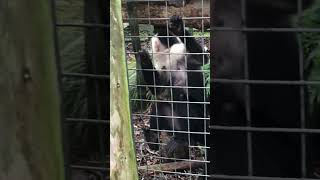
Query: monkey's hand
{"x":175,"y":149}
{"x":144,"y":59}
{"x":151,"y":136}
{"x":176,"y":25}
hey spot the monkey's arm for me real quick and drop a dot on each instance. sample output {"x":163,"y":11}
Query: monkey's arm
{"x":176,"y":27}
{"x":150,"y":75}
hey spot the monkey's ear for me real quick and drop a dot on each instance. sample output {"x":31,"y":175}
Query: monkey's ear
{"x":155,"y":42}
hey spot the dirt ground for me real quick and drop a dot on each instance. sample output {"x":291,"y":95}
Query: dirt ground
{"x":146,"y":156}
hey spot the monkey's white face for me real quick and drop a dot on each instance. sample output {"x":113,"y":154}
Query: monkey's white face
{"x":172,"y":58}
{"x":167,"y":58}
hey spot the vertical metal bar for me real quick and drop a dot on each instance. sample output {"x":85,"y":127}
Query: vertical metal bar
{"x":187,"y":89}
{"x":211,"y":114}
{"x":96,"y":62}
{"x":149,"y":13}
{"x":134,"y":30}
{"x":170,"y":72}
{"x":302,"y":100}
{"x":247,"y":88}
{"x":156,"y":103}
{"x":204,"y":93}
{"x":134,"y":27}
{"x":155,"y":89}
{"x":65,"y":139}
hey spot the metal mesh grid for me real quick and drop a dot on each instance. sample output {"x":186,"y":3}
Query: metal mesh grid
{"x":303,"y":131}
{"x":147,"y":159}
{"x":82,"y":28}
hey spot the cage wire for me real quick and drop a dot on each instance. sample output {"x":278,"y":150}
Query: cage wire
{"x":303,"y":131}
{"x":82,"y":28}
{"x":138,"y":31}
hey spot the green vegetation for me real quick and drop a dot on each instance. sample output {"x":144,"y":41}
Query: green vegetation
{"x":71,"y":45}
{"x":133,"y":90}
{"x":311,"y":49}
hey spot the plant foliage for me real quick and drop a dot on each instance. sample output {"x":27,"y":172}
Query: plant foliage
{"x":310,"y":18}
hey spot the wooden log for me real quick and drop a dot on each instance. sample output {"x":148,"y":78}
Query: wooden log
{"x":30,"y":113}
{"x":172,"y":166}
{"x":123,"y":163}
{"x":193,"y":11}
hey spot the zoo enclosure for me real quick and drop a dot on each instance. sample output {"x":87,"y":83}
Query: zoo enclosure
{"x":156,"y":13}
{"x":82,"y":28}
{"x":303,"y":131}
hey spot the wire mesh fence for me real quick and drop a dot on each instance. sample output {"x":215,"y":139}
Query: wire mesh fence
{"x":171,"y":132}
{"x":268,"y":116}
{"x":82,"y":29}
{"x":273,"y":134}
{"x":167,"y":128}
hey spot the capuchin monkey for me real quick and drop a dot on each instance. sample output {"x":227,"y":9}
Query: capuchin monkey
{"x":169,"y":68}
